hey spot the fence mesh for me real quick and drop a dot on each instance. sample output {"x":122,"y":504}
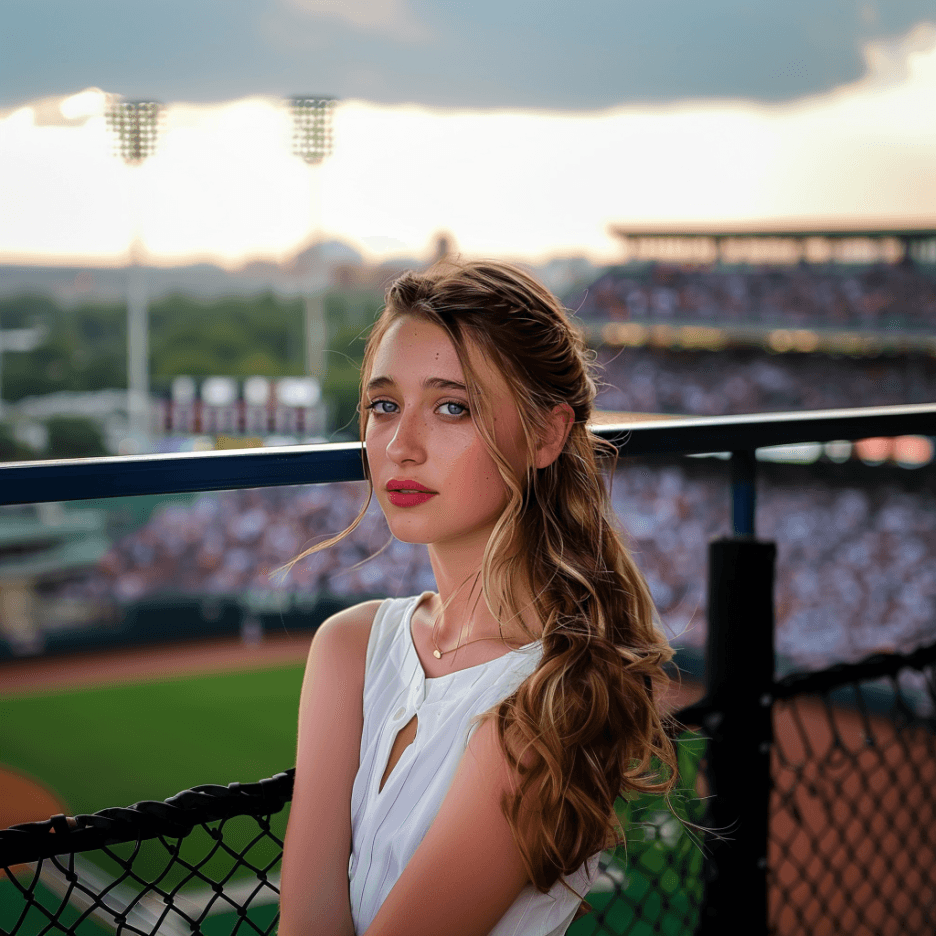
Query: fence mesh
{"x":206,"y":862}
{"x":201,"y":862}
{"x":852,"y":835}
{"x":654,"y":883}
{"x":853,"y":811}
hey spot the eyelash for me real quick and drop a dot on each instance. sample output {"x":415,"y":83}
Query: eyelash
{"x":372,"y":406}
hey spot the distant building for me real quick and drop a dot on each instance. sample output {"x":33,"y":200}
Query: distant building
{"x":42,"y":548}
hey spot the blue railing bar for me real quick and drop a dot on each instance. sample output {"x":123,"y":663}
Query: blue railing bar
{"x":743,"y":492}
{"x":178,"y":473}
{"x":127,"y":475}
{"x":695,"y":434}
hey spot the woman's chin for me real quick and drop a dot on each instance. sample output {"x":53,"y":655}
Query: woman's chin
{"x":408,"y":533}
{"x":411,"y":539}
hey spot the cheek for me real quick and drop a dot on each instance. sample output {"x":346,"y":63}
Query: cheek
{"x":377,"y":433}
{"x":485,"y":473}
{"x":375,"y":448}
{"x":510,"y":441}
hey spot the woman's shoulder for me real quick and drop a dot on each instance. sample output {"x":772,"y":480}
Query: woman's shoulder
{"x":350,"y":627}
{"x":355,"y":630}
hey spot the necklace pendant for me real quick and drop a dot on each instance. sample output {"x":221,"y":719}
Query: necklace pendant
{"x":437,"y":654}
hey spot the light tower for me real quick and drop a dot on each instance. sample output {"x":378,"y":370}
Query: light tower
{"x":135,"y":124}
{"x":313,"y":142}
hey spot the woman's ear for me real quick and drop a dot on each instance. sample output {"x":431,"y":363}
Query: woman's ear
{"x":560,"y":424}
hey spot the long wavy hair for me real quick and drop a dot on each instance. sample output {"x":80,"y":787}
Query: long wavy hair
{"x":586,"y":726}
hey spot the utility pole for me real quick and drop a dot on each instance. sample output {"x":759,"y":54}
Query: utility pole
{"x":18,"y":339}
{"x":313,"y":142}
{"x":135,"y":124}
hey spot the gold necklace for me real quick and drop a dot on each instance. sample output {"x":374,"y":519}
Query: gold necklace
{"x":438,"y":654}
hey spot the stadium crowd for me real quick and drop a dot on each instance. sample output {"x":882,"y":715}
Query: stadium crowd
{"x":855,"y":569}
{"x":236,"y":541}
{"x":855,"y":565}
{"x":720,"y":383}
{"x":806,"y":295}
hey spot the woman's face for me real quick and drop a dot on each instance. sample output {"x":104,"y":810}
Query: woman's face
{"x":419,"y":431}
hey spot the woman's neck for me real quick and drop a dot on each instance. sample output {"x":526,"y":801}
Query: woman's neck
{"x":466,"y":615}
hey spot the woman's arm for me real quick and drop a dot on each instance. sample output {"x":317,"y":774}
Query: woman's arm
{"x":467,"y":871}
{"x":314,"y":897}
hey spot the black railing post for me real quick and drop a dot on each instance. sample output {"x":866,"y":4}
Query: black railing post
{"x":740,"y":679}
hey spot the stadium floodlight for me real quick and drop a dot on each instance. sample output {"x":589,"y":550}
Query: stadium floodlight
{"x":312,"y":127}
{"x":135,"y":125}
{"x":313,"y":142}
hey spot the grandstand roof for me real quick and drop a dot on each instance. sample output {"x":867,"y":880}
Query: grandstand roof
{"x":780,"y":229}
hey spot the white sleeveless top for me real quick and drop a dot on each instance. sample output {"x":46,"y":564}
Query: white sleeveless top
{"x":387,"y":825}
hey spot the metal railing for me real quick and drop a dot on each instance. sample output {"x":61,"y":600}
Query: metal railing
{"x":128,"y":475}
{"x":747,"y":870}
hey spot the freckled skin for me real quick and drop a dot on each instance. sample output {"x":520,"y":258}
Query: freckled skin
{"x":417,"y":438}
{"x":414,"y":435}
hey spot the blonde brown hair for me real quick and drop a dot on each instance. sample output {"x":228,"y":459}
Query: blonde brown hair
{"x":585,"y":726}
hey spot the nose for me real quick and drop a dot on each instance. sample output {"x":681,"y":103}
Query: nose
{"x":408,"y":444}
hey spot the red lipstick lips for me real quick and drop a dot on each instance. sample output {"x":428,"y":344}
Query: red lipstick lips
{"x":408,"y":493}
{"x":394,"y":485}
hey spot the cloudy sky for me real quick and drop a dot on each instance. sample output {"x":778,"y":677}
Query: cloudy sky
{"x":524,"y":127}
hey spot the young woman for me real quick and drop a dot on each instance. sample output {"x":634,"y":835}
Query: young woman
{"x":460,"y":752}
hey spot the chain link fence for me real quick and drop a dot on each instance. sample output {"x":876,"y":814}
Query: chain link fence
{"x":206,"y":862}
{"x":852,"y":834}
{"x":852,"y":845}
{"x":654,"y":883}
{"x":202,"y":862}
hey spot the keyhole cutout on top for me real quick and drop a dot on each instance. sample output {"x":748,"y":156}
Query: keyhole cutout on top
{"x":401,"y":742}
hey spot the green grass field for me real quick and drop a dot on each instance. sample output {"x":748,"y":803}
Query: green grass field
{"x":117,"y":745}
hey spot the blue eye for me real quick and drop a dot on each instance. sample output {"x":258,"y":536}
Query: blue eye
{"x":461,"y":406}
{"x":376,"y":407}
{"x":372,"y":406}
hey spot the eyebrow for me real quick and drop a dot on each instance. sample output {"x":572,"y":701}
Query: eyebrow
{"x":430,"y":383}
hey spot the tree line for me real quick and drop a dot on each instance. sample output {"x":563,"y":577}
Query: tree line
{"x":85,"y":347}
